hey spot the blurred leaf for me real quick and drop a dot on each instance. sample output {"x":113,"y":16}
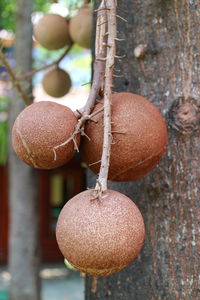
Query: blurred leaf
{"x":83,"y":62}
{"x":3,"y":104}
{"x":8,"y":10}
{"x":3,"y":142}
{"x":3,"y":130}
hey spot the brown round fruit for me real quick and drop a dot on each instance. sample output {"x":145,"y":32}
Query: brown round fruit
{"x":80,"y":28}
{"x":56,"y":83}
{"x":38,"y":129}
{"x":52,"y":32}
{"x":100,"y":236}
{"x":139,"y":138}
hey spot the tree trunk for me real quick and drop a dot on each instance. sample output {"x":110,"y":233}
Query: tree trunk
{"x":168,"y":75}
{"x":23,"y":237}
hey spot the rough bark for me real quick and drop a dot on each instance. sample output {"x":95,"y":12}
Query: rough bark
{"x":23,"y":234}
{"x":168,"y":75}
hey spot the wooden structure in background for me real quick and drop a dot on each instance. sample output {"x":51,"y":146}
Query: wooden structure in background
{"x":55,"y":188}
{"x":3,"y":213}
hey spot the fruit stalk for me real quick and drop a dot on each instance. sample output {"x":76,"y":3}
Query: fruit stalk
{"x":15,"y":82}
{"x":101,"y":185}
{"x":56,"y":62}
{"x":98,"y":78}
{"x":99,"y":64}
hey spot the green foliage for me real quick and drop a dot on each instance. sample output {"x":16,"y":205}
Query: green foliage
{"x":8,"y":10}
{"x":41,"y":5}
{"x":71,"y":4}
{"x":3,"y":142}
{"x":83,"y":62}
{"x":3,"y":130}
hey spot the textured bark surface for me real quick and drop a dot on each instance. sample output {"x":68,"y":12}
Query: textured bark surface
{"x":168,"y":75}
{"x":23,"y":236}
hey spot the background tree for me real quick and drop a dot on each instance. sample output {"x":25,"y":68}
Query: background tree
{"x":164,"y":68}
{"x":23,"y":236}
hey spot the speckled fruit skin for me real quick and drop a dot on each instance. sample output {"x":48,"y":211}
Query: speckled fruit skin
{"x":100,"y":237}
{"x":80,"y":28}
{"x":40,"y":127}
{"x":138,"y":146}
{"x":56,"y":83}
{"x":52,"y":32}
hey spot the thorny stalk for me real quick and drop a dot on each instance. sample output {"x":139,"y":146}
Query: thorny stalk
{"x":101,"y":185}
{"x":105,"y":53}
{"x":78,"y":129}
{"x":99,"y":72}
{"x":99,"y":64}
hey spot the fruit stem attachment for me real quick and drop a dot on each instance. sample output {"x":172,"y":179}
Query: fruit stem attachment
{"x":54,"y":63}
{"x":110,"y":6}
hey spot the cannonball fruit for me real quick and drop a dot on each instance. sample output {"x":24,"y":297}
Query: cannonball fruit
{"x":80,"y":28}
{"x":100,"y":236}
{"x":38,"y":129}
{"x":139,"y":137}
{"x":52,"y":32}
{"x":56,"y":83}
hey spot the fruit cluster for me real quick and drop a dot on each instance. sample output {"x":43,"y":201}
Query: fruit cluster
{"x":97,"y":236}
{"x":99,"y":231}
{"x":55,"y":32}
